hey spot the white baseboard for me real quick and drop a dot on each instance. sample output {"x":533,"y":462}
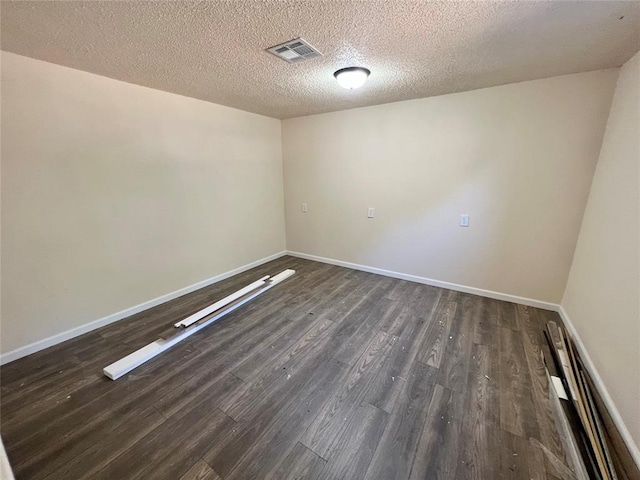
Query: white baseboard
{"x":434,"y":283}
{"x":602,"y":389}
{"x":606,"y":398}
{"x":114,"y":317}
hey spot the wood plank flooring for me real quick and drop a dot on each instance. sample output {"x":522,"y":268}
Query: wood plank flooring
{"x":333,"y":374}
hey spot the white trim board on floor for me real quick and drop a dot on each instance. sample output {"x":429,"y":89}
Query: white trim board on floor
{"x":146,"y":353}
{"x":114,"y":317}
{"x":5,"y":467}
{"x":602,"y":389}
{"x":434,"y":283}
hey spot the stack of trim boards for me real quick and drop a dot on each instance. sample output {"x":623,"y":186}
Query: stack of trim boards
{"x":194,"y":323}
{"x":575,"y":389}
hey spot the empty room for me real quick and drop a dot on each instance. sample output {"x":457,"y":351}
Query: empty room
{"x":320,"y":239}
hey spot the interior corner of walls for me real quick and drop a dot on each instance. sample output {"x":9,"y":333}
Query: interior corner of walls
{"x":566,"y":282}
{"x":564,"y":298}
{"x":57,"y":115}
{"x":597,"y":302}
{"x":474,"y":178}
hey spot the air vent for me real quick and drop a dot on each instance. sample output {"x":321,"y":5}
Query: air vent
{"x":294,"y":51}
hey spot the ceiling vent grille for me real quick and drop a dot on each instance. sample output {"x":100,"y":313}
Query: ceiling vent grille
{"x":294,"y":51}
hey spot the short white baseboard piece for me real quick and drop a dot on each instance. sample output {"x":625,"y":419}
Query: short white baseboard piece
{"x":602,"y":389}
{"x":560,"y":391}
{"x":146,"y":353}
{"x":114,"y":317}
{"x":434,"y":283}
{"x":191,"y":319}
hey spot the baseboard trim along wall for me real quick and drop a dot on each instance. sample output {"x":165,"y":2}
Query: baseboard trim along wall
{"x":602,"y":389}
{"x":434,"y":283}
{"x":101,"y":322}
{"x":114,"y":317}
{"x":606,"y":398}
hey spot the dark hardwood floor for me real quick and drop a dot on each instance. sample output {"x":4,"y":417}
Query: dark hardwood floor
{"x":333,"y":374}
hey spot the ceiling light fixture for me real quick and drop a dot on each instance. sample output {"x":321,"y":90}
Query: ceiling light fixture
{"x":352,"y":77}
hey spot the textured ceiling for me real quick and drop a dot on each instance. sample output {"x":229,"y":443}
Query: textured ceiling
{"x":215,"y":50}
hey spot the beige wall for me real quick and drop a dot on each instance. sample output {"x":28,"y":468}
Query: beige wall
{"x":114,"y":194}
{"x":517,"y":158}
{"x":602,"y":298}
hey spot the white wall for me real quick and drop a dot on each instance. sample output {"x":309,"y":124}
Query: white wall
{"x":518,"y":159}
{"x":602,"y":298}
{"x":114,"y":194}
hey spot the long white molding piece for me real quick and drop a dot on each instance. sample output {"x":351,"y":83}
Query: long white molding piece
{"x":5,"y":467}
{"x":146,"y":353}
{"x":191,"y":319}
{"x":114,"y":317}
{"x":602,"y":389}
{"x":434,"y":283}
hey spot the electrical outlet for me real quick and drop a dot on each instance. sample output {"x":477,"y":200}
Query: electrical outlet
{"x":464,"y":220}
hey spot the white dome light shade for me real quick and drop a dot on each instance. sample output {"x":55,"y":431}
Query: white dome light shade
{"x":352,"y":77}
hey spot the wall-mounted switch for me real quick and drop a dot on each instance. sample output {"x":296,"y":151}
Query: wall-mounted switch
{"x":304,"y":207}
{"x":370,"y":212}
{"x":464,"y":220}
